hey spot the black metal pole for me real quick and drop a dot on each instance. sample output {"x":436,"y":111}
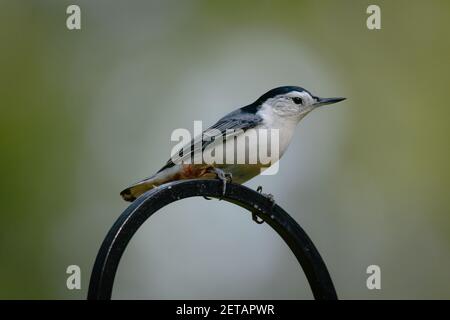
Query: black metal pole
{"x":116,"y":241}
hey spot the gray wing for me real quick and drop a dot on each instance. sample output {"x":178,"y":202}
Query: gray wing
{"x":239,"y":119}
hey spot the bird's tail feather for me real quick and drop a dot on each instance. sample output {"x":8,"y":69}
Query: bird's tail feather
{"x":133,"y":192}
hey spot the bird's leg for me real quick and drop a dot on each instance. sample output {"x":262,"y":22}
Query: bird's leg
{"x":223,"y":176}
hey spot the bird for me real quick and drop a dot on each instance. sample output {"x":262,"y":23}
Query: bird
{"x":280,"y":108}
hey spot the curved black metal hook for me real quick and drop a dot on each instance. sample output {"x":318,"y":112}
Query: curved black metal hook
{"x":116,"y":241}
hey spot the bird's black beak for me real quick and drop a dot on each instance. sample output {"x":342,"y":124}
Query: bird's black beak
{"x":325,"y":101}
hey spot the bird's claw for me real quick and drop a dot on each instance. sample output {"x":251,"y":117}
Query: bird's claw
{"x":224,"y":177}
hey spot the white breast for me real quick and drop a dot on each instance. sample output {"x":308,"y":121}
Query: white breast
{"x":242,"y":172}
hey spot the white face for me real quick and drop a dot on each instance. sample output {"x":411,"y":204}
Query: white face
{"x":292,"y":104}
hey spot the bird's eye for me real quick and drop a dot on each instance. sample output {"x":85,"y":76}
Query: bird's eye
{"x":297,"y":100}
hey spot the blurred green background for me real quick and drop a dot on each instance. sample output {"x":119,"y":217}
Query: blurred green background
{"x":85,"y":113}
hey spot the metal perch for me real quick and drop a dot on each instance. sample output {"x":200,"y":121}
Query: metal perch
{"x":116,"y":241}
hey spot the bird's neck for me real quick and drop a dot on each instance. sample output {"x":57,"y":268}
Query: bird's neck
{"x":285,"y":123}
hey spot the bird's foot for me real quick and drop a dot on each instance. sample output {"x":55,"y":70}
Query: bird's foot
{"x":225,"y":177}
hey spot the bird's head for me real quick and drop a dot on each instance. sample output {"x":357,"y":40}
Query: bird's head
{"x":290,"y":101}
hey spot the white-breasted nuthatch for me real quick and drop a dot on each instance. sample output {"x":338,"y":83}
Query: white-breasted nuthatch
{"x":281,"y":108}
